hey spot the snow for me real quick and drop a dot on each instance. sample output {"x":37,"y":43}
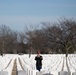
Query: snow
{"x":52,"y":64}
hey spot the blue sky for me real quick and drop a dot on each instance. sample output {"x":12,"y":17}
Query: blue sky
{"x":18,"y":13}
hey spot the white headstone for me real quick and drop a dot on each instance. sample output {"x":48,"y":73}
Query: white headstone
{"x":47,"y":74}
{"x":64,"y":73}
{"x":3,"y":73}
{"x":21,"y":72}
{"x":74,"y":73}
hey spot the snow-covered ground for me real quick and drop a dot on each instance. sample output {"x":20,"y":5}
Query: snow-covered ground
{"x":51,"y":64}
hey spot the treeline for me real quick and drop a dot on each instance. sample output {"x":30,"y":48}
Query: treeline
{"x":57,"y":37}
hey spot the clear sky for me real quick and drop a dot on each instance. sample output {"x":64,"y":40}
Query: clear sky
{"x":18,"y":13}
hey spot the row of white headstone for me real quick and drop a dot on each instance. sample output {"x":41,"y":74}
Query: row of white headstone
{"x":52,"y":65}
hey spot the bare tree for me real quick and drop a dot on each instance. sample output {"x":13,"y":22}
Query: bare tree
{"x":8,"y":38}
{"x":29,"y":34}
{"x":58,"y":37}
